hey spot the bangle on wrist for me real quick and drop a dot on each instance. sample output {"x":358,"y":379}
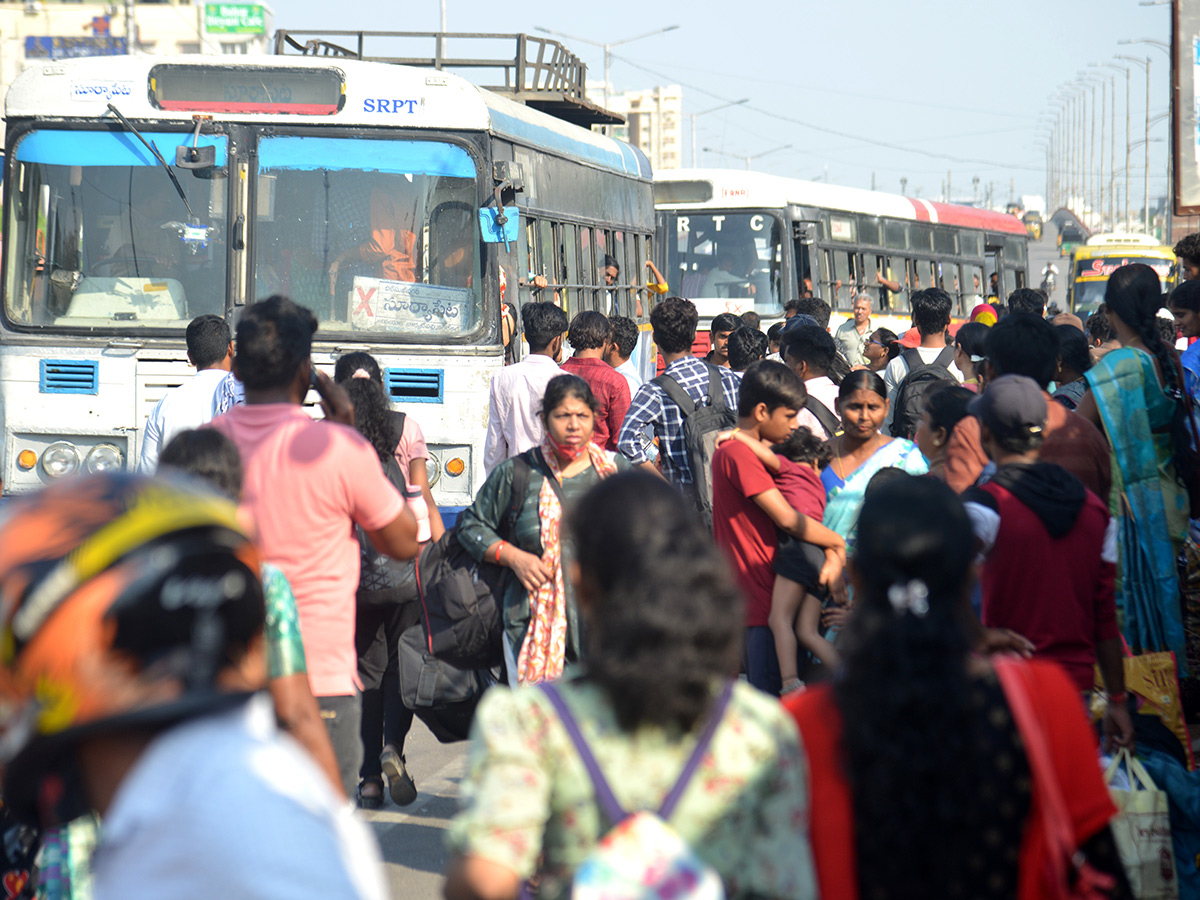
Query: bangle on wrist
{"x":1118,"y":698}
{"x":499,"y":547}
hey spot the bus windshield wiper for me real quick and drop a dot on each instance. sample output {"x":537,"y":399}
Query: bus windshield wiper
{"x":150,"y":146}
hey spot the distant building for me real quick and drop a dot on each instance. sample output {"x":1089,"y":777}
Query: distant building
{"x":38,"y":30}
{"x":653,"y":122}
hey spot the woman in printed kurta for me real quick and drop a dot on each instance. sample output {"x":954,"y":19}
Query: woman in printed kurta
{"x":663,"y":643}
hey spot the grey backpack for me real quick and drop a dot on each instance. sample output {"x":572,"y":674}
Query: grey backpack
{"x":701,"y":425}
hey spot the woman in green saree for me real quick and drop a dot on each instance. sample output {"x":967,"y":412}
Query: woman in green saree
{"x":1137,"y":398}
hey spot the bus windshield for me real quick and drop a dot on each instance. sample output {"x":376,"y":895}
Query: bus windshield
{"x":373,"y":236}
{"x":724,"y":256}
{"x":98,"y":236}
{"x":1091,"y":276}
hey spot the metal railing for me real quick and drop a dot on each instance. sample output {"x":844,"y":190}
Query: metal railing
{"x":539,"y":67}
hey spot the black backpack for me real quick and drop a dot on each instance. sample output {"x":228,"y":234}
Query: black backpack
{"x":384,"y":581}
{"x":461,"y":598}
{"x":922,"y":380}
{"x":700,"y":428}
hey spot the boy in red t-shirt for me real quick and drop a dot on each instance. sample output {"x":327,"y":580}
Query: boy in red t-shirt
{"x":798,"y":597}
{"x":748,"y":507}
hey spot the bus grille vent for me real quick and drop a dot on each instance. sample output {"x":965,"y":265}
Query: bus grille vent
{"x":414,"y":385}
{"x":70,"y":376}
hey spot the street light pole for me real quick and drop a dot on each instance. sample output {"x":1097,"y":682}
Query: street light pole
{"x":1145,"y":64}
{"x":693,"y":116}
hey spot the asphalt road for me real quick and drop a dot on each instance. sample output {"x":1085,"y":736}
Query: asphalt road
{"x":1043,"y":252}
{"x":412,"y":838}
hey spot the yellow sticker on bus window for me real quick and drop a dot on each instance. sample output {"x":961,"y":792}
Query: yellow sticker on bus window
{"x":155,"y":286}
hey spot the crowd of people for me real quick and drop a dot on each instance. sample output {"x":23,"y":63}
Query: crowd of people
{"x":822,"y":576}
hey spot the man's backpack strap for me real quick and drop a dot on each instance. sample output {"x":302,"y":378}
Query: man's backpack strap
{"x":716,"y":390}
{"x":675,"y":391}
{"x":824,"y":415}
{"x":945,"y":359}
{"x":912,"y":359}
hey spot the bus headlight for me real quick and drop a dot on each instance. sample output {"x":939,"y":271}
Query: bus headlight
{"x":103,"y":458}
{"x":433,"y":469}
{"x":60,"y":458}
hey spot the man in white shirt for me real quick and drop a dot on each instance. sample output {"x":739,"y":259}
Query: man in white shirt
{"x":515,"y":396}
{"x":931,"y":317}
{"x":810,"y":351}
{"x":193,"y":403}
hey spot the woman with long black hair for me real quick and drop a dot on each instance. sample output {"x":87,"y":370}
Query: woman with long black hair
{"x":1138,"y":397}
{"x":387,"y":590}
{"x":663,"y":648}
{"x":917,"y":741}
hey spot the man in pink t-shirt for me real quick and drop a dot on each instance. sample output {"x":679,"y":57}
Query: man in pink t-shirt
{"x":306,"y":483}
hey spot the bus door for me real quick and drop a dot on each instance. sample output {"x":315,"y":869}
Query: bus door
{"x":993,"y":251}
{"x":804,"y":246}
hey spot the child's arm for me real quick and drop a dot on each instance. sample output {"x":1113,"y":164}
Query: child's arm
{"x":798,"y":525}
{"x":761,"y":450}
{"x":825,"y":538}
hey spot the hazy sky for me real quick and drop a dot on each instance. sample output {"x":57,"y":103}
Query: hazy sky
{"x":860,"y":89}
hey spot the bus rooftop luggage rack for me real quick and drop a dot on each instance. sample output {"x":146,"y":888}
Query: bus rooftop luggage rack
{"x":541,"y":73}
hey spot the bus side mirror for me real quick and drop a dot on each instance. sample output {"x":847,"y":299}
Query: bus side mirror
{"x":196,"y":157}
{"x":500,"y":225}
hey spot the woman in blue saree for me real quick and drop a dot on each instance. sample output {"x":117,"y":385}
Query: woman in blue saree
{"x":1138,"y":398}
{"x":860,"y":451}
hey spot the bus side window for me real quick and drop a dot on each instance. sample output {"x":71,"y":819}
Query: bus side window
{"x":546,"y":261}
{"x":644,"y":310}
{"x":587,"y":266}
{"x":628,"y":275}
{"x":526,"y":266}
{"x":603,"y":249}
{"x":570,"y":264}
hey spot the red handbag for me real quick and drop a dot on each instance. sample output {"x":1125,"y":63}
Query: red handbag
{"x":1069,"y":874}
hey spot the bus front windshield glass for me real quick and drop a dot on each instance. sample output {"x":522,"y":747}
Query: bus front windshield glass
{"x":1091,"y":276}
{"x":727,"y":256}
{"x":373,"y":236}
{"x":99,"y":237}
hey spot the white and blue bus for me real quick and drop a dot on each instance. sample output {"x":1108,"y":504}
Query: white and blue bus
{"x":140,"y":192}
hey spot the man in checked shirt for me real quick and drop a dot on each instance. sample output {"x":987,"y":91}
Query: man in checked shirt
{"x":674,"y":323}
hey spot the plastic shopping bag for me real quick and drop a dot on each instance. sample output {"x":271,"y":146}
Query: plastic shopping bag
{"x":1143,"y":832}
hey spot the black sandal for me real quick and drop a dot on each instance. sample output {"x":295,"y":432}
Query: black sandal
{"x":374,"y":799}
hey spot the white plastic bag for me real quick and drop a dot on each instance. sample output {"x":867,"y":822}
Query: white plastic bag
{"x":1143,"y":831}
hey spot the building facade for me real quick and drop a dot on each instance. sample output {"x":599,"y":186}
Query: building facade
{"x":653,"y":123}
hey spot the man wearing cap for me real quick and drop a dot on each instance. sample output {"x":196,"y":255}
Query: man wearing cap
{"x":1049,"y":548}
{"x":1022,"y":344}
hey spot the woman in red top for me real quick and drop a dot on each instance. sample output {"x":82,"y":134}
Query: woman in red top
{"x":915,"y":740}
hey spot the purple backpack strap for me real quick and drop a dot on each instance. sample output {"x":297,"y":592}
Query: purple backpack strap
{"x":604,"y":795}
